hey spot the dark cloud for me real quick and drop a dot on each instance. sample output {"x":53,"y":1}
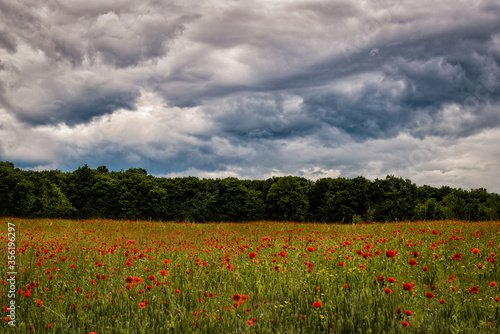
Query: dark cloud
{"x":255,"y":88}
{"x":7,"y":42}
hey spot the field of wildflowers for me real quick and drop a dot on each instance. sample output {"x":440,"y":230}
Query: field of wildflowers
{"x":110,"y":276}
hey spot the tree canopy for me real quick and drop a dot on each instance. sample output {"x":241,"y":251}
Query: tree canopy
{"x":134,"y":194}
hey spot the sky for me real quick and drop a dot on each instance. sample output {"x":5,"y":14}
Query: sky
{"x":255,"y":88}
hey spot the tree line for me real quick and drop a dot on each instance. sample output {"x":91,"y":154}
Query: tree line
{"x":133,"y":194}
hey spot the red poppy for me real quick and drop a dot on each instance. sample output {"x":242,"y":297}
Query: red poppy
{"x":310,"y":249}
{"x":341,"y":264}
{"x":163,"y":272}
{"x":390,"y":253}
{"x":413,"y":262}
{"x":453,"y":289}
{"x":380,"y":278}
{"x":479,"y":266}
{"x":457,"y":257}
{"x":152,"y":277}
{"x":39,"y":303}
{"x":236,"y":297}
{"x":415,"y":254}
{"x":282,"y":254}
{"x":388,"y":291}
{"x":361,"y":266}
{"x":429,"y":295}
{"x":317,"y":304}
{"x":497,"y":299}
{"x":493,"y":284}
{"x":408,"y":286}
{"x":405,"y":324}
{"x":142,"y":305}
{"x":424,"y":269}
{"x":346,"y":286}
{"x":408,"y":313}
{"x":391,"y":280}
{"x":474,"y":289}
{"x":252,"y":255}
{"x":249,"y":323}
{"x":441,"y":301}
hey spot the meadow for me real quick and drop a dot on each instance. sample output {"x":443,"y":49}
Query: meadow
{"x":121,"y":276}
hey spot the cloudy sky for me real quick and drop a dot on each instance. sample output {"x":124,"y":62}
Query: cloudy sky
{"x":255,"y":88}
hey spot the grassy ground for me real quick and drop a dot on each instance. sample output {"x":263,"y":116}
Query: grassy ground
{"x":107,"y":276}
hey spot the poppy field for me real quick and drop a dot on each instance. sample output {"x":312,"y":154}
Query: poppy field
{"x":118,"y":276}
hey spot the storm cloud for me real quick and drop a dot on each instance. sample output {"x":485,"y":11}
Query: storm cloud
{"x":254,"y":88}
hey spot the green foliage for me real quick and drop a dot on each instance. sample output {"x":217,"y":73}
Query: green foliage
{"x":134,"y":194}
{"x":287,"y":199}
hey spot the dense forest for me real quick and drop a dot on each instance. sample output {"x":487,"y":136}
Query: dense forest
{"x":133,"y":194}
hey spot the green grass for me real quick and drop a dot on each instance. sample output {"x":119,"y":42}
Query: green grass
{"x":209,"y":263}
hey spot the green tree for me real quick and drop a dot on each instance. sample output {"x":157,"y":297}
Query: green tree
{"x":287,"y":199}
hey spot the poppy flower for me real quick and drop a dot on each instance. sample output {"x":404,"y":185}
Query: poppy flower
{"x":380,"y":278}
{"x":457,"y":257}
{"x":493,"y":284}
{"x":475,"y":250}
{"x":310,"y":249}
{"x":388,"y":291}
{"x":361,"y":266}
{"x":317,"y":304}
{"x":474,"y":289}
{"x":252,"y":255}
{"x":346,"y":286}
{"x":441,"y":301}
{"x":453,"y":289}
{"x":341,"y":264}
{"x":413,"y":262}
{"x":429,"y":295}
{"x":424,"y":269}
{"x":249,"y":323}
{"x":39,"y":303}
{"x":236,"y":297}
{"x":497,"y":299}
{"x":405,"y":324}
{"x":390,"y":253}
{"x":391,"y":280}
{"x":142,"y":305}
{"x":408,"y":313}
{"x":479,"y":266}
{"x":408,"y":286}
{"x":415,"y":254}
